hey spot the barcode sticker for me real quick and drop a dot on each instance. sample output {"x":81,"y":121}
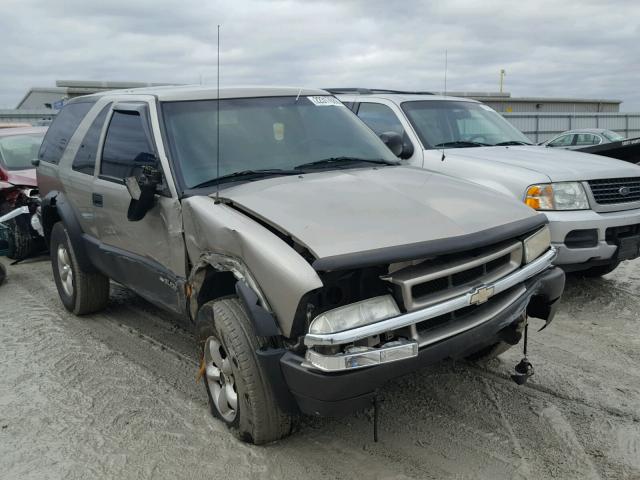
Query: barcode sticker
{"x":326,"y":101}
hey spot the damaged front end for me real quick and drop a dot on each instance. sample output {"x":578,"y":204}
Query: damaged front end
{"x":21,"y":232}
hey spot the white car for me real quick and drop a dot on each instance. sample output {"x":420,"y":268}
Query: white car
{"x":592,"y":202}
{"x":583,"y":137}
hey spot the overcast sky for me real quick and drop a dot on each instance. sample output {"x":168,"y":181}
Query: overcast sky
{"x":575,"y":48}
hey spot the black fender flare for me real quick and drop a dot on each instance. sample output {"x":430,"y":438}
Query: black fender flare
{"x":56,"y":201}
{"x":263,"y":321}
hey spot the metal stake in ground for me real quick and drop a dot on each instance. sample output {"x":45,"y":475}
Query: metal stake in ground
{"x":524,"y":369}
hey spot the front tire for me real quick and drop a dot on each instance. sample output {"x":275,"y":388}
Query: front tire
{"x":81,"y":292}
{"x":236,"y":384}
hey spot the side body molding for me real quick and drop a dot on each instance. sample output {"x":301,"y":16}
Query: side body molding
{"x":282,"y":276}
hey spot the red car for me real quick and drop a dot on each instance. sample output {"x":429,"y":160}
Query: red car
{"x":18,"y":185}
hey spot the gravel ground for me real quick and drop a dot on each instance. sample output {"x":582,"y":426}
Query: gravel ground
{"x":113,"y":395}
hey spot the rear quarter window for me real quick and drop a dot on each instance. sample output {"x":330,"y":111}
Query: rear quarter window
{"x":61,"y":131}
{"x":85,"y":160}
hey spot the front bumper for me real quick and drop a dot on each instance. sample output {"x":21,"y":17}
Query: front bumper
{"x":563,"y":223}
{"x":320,"y":393}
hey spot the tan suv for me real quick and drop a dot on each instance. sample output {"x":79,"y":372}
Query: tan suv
{"x":311,"y":266}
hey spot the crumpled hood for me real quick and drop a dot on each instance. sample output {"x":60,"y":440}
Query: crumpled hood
{"x":349,"y":211}
{"x":558,"y":164}
{"x":26,"y":178}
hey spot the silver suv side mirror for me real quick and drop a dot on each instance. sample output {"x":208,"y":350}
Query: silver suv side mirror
{"x":142,"y":190}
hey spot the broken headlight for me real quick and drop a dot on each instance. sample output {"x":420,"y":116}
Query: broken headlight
{"x":355,"y":315}
{"x":537,"y":244}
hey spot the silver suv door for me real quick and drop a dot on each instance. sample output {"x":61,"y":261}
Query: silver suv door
{"x":146,"y":255}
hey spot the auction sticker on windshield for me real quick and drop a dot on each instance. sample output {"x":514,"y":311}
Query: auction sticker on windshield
{"x":326,"y":101}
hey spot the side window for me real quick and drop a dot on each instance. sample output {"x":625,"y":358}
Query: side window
{"x":380,"y":118}
{"x":61,"y":131}
{"x":126,"y":147}
{"x":563,"y":141}
{"x":587,"y":139}
{"x":85,"y":160}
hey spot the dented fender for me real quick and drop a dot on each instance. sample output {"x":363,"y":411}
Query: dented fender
{"x":217,"y":234}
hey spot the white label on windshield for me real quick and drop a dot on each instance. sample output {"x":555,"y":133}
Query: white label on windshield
{"x":326,"y":101}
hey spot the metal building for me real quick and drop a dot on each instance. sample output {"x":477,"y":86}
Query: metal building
{"x":505,"y":103}
{"x":54,"y":97}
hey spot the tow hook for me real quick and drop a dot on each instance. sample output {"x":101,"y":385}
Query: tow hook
{"x":524,"y":369}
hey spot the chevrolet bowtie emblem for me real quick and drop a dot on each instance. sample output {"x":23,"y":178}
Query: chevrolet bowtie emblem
{"x":481,"y":295}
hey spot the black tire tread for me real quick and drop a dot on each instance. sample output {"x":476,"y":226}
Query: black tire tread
{"x":265,"y":422}
{"x":20,"y":243}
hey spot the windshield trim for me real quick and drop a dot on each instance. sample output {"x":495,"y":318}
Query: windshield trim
{"x":423,"y":141}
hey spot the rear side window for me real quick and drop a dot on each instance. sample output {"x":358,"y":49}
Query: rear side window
{"x":61,"y":131}
{"x":85,"y":160}
{"x":125,"y":147}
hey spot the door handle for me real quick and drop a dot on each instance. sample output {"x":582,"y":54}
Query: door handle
{"x":97,"y":199}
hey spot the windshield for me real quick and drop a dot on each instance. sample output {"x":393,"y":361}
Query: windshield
{"x":17,"y":151}
{"x":266,"y":134}
{"x":450,"y":123}
{"x":612,"y":136}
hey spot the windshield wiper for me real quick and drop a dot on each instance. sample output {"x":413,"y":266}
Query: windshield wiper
{"x":247,"y":174}
{"x":461,"y":143}
{"x":511,"y":142}
{"x":342,"y":161}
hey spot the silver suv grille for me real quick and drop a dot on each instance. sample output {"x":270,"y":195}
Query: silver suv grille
{"x":615,"y":190}
{"x":434,"y":281}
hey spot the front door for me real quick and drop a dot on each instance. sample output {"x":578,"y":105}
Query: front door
{"x":146,"y":255}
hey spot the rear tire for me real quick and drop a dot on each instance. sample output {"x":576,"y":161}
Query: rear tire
{"x":3,"y":273}
{"x":252,"y":414}
{"x":81,"y":292}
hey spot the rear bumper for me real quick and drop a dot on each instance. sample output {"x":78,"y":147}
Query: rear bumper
{"x":330,"y":394}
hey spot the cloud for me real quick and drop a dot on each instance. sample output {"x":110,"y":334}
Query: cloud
{"x":574,"y":48}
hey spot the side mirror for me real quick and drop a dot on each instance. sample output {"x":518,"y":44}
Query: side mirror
{"x":399,"y":145}
{"x":393,"y":141}
{"x":35,"y":162}
{"x":143,"y":191}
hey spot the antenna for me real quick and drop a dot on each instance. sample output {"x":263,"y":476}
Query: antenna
{"x":218,"y":122}
{"x":445,"y":73}
{"x":445,"y":94}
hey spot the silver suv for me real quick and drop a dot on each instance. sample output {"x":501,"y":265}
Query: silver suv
{"x":592,"y":202}
{"x":311,"y":266}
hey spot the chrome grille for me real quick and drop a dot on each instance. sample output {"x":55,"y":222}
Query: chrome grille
{"x":435,"y":329}
{"x":615,"y":190}
{"x":440,"y":279}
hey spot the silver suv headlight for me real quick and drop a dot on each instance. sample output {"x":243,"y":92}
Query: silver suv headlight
{"x":557,"y":196}
{"x":537,"y":244}
{"x":355,"y":315}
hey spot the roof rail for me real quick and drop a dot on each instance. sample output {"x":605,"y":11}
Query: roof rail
{"x":371,"y":91}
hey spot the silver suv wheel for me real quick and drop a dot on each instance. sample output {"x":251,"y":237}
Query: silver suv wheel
{"x":220,"y":379}
{"x":65,"y":270}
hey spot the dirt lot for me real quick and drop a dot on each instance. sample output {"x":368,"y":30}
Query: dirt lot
{"x":113,"y":396}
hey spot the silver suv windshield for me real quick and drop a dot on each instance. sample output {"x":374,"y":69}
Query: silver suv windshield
{"x":265,"y":137}
{"x":456,"y":124}
{"x":17,"y":151}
